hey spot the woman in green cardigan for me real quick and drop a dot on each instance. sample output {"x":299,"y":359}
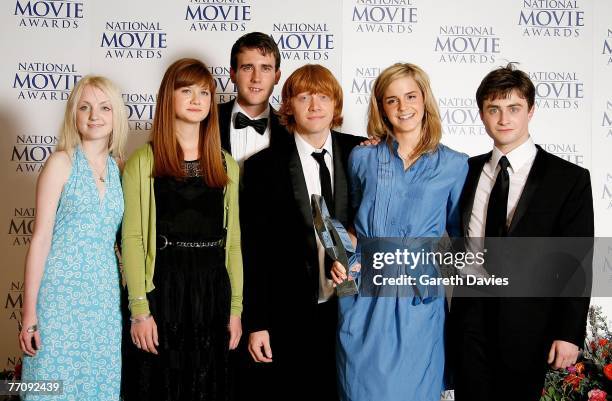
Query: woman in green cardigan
{"x":181,"y":247}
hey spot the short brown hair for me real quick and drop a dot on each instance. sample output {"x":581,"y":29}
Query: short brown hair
{"x":167,"y":153}
{"x":313,"y":78}
{"x":500,"y":82}
{"x":255,"y":40}
{"x":378,"y":124}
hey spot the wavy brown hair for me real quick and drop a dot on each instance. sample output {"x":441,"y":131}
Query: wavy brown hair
{"x":313,"y":78}
{"x":168,"y":155}
{"x":378,"y":124}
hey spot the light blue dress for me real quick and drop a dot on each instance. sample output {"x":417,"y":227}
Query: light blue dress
{"x":78,"y":307}
{"x":392,"y":348}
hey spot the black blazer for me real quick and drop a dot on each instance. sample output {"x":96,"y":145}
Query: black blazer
{"x":556,"y":202}
{"x":278,"y":238}
{"x":277,"y":131}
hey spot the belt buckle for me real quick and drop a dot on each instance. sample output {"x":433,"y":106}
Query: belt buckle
{"x":165,"y":242}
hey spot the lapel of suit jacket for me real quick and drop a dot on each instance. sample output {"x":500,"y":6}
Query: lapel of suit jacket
{"x":469,"y":189}
{"x":531,"y":185}
{"x":225,"y":123}
{"x":340,"y":181}
{"x":298,"y":183}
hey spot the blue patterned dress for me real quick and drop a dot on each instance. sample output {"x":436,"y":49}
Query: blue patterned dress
{"x":78,"y":307}
{"x":392,"y":348}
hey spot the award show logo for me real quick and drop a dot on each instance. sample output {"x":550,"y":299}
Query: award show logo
{"x":303,"y":41}
{"x":551,"y":18}
{"x":21,"y":226}
{"x":467,"y":44}
{"x":225,"y":88}
{"x":460,"y":116}
{"x":361,"y":85}
{"x":567,"y":151}
{"x":14,"y":300}
{"x":133,"y":40}
{"x":218,"y":15}
{"x":140,"y":109}
{"x":30,"y":152}
{"x":384,"y":16}
{"x":557,"y":90}
{"x":45,"y":81}
{"x":606,"y":120}
{"x":607,"y":47}
{"x":56,"y":14}
{"x":606,"y":193}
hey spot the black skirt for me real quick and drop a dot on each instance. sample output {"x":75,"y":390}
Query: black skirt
{"x":190,"y":302}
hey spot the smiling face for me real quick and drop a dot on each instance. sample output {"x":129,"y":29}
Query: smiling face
{"x":255,"y":77}
{"x":507,"y":121}
{"x":313,"y":113}
{"x":404,"y":106}
{"x":191,"y":103}
{"x":94,"y":114}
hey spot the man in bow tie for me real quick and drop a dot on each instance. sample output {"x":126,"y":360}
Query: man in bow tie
{"x":249,"y":124}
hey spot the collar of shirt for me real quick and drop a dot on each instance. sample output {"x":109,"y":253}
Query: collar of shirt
{"x":237,"y":108}
{"x":518,"y":157}
{"x":305,"y":149}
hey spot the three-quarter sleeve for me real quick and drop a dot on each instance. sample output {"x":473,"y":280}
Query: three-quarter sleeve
{"x":453,"y":217}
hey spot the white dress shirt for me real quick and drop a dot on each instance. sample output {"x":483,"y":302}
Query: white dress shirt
{"x":245,"y":142}
{"x":311,"y":175}
{"x":521,"y":159}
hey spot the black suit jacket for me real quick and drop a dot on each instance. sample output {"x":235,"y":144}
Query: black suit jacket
{"x":556,"y":202}
{"x":279,"y":247}
{"x":277,"y":131}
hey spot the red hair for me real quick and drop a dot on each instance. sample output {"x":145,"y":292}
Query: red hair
{"x":313,"y":78}
{"x":167,"y":153}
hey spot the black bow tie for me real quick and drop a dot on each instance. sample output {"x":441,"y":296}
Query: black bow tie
{"x":242,"y":121}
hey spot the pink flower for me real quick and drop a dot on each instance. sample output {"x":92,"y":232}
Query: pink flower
{"x":597,"y":395}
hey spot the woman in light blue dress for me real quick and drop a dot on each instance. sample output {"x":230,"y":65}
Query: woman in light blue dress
{"x":391,"y":348}
{"x":71,"y":328}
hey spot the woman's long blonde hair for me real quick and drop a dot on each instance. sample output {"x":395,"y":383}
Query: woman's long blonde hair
{"x":378,"y":124}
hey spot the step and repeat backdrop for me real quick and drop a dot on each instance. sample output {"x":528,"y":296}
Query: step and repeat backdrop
{"x":48,"y":45}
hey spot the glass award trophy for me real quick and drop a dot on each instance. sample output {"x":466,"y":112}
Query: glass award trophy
{"x":335,"y":240}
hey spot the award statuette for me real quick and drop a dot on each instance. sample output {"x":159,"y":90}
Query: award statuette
{"x":335,"y":240}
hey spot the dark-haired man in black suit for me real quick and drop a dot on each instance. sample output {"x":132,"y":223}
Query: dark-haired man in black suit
{"x":290,"y":304}
{"x":249,"y":124}
{"x":503,"y":346}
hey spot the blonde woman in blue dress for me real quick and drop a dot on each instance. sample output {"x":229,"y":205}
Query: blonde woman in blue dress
{"x":71,"y":309}
{"x":391,"y":348}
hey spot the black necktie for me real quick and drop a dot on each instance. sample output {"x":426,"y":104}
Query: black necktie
{"x":498,"y":202}
{"x":325,"y":180}
{"x":242,"y":121}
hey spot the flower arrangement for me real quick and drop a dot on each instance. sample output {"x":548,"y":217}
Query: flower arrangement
{"x":590,"y":379}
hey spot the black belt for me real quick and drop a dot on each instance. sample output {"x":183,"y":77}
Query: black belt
{"x":164,"y":242}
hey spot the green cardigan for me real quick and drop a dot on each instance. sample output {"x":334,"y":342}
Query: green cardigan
{"x":139,"y":237}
